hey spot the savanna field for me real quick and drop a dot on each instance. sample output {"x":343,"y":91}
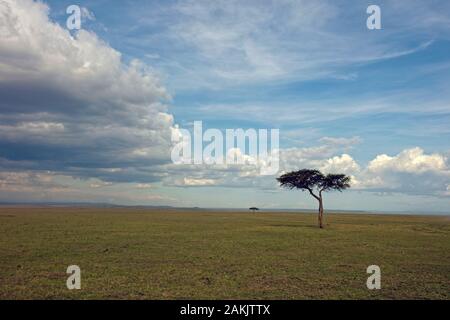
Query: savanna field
{"x":180,"y":254}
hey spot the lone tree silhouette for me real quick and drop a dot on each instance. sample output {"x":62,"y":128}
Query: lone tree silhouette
{"x":315,"y":182}
{"x":254,"y":209}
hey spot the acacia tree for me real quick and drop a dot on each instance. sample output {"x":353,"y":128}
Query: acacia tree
{"x":315,"y":182}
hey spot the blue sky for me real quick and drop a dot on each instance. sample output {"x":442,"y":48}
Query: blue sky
{"x":411,"y":80}
{"x":342,"y":96}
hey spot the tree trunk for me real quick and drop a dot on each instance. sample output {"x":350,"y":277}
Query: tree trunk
{"x":320,"y":212}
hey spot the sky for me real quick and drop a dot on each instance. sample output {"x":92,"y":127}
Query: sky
{"x":88,"y":115}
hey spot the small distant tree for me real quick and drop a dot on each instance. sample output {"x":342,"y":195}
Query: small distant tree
{"x":253,"y":209}
{"x":315,"y":183}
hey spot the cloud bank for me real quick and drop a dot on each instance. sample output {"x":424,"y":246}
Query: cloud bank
{"x":70,"y":104}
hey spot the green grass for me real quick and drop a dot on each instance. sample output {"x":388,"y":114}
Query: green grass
{"x":151,"y":254}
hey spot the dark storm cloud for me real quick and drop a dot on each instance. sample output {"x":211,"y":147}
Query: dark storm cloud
{"x":70,"y":106}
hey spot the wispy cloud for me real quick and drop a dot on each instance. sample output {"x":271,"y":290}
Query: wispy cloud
{"x":235,"y":42}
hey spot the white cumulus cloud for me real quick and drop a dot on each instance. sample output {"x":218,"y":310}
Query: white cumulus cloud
{"x":74,"y":104}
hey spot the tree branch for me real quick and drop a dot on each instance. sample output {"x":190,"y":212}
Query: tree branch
{"x":312,"y":193}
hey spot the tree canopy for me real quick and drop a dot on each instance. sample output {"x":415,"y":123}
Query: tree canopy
{"x":311,"y":179}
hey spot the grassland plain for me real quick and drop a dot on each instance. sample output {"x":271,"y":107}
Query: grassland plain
{"x":181,"y":254}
